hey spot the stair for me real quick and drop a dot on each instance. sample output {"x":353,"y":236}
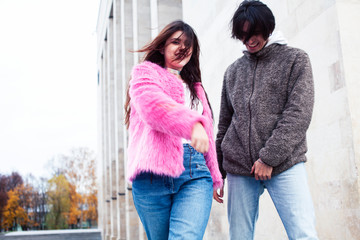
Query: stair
{"x":74,"y":234}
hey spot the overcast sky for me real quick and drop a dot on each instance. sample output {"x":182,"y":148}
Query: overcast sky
{"x":48,"y":77}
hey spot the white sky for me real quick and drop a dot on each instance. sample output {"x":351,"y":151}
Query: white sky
{"x":48,"y":81}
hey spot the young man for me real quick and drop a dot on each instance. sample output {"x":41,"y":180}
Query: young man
{"x":266,"y":107}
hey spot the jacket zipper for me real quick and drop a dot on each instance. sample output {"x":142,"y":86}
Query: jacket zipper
{"x":252,"y":92}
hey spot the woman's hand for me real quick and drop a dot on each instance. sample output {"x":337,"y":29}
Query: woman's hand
{"x":199,"y":138}
{"x":218,"y":194}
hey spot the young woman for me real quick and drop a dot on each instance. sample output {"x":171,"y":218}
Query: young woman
{"x":172,"y":160}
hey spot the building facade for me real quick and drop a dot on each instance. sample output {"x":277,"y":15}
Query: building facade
{"x":325,"y":29}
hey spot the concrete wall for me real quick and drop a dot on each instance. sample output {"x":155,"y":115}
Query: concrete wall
{"x":325,"y":30}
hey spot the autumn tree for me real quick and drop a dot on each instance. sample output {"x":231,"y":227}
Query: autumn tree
{"x":76,"y":205}
{"x":3,"y":198}
{"x":59,"y":202}
{"x":14,"y":214}
{"x":7,"y":183}
{"x":91,"y":213}
{"x":14,"y":180}
{"x":80,"y":170}
{"x":33,"y":201}
{"x":24,"y":193}
{"x":41,"y":202}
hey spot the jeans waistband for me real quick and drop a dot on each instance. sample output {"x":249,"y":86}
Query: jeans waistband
{"x":188,"y":149}
{"x":187,"y":146}
{"x":191,"y":153}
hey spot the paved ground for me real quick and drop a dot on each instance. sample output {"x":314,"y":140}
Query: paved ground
{"x":77,"y":234}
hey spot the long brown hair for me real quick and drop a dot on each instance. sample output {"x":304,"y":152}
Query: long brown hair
{"x":153,"y":53}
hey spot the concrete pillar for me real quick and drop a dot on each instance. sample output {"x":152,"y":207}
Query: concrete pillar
{"x":100,"y":155}
{"x":132,"y":221}
{"x":104,"y":214}
{"x":106,"y":145}
{"x":120,"y":171}
{"x":112,"y":127}
{"x":168,"y":11}
{"x":143,"y":33}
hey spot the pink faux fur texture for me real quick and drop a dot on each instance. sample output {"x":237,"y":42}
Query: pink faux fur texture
{"x":158,"y":122}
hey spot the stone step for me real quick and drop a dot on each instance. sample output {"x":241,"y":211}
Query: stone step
{"x":74,"y":234}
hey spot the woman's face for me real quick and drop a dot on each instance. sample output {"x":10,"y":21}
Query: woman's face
{"x":174,"y":46}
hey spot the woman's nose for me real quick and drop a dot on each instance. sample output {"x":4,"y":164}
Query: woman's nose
{"x":182,"y":46}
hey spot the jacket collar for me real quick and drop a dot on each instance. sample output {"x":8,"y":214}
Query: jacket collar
{"x":276,"y":38}
{"x":263,"y":53}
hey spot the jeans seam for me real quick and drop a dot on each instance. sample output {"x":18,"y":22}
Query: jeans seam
{"x":190,"y":161}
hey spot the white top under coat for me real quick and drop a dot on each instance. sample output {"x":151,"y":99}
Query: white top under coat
{"x":198,"y":105}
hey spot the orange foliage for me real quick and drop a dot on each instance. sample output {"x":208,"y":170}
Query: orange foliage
{"x":80,"y":170}
{"x":14,"y":214}
{"x":76,"y":203}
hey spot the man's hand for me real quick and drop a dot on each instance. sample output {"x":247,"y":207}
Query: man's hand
{"x":218,"y":196}
{"x":261,"y":170}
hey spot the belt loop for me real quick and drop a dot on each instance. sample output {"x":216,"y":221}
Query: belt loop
{"x":151,"y":177}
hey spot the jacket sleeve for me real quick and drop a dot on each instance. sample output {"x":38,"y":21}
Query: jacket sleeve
{"x":296,"y":116}
{"x":210,"y":156}
{"x":226,"y":113}
{"x":156,"y":108}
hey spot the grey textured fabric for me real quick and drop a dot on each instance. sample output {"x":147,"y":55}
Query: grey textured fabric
{"x":266,"y":107}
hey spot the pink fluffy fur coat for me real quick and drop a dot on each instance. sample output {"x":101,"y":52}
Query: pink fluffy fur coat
{"x":158,"y":122}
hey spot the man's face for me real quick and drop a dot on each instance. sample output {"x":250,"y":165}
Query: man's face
{"x":256,"y":42}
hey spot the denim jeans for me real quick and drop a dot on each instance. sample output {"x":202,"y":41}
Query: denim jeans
{"x":290,"y":194}
{"x":175,"y":208}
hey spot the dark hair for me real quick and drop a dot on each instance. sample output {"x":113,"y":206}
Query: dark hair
{"x":153,"y":53}
{"x":259,"y":17}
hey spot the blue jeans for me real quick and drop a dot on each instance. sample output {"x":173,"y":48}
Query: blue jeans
{"x":291,"y":196}
{"x":175,"y":208}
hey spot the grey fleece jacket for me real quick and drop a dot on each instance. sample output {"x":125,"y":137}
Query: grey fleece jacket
{"x":266,"y":107}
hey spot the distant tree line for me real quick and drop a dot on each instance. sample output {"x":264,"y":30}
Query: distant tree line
{"x":66,"y":200}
